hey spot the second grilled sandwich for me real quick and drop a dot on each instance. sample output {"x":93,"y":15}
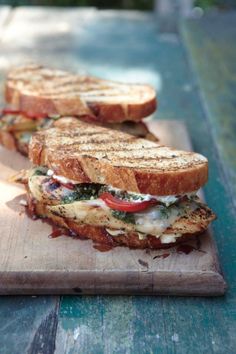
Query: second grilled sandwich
{"x":38,"y":96}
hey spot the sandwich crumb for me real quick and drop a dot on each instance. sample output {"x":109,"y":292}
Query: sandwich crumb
{"x":23,"y":202}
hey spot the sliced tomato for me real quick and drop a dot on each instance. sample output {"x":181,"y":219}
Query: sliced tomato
{"x":66,"y":185}
{"x":124,"y":205}
{"x":27,"y":115}
{"x":10,"y":111}
{"x":34,"y":116}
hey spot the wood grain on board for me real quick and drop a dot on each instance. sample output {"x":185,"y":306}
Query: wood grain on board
{"x":33,"y":263}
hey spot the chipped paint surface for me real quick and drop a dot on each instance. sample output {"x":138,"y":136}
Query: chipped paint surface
{"x":91,"y":325}
{"x":28,"y":324}
{"x":175,"y":337}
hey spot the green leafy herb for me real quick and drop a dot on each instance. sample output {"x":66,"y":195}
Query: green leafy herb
{"x":83,"y":191}
{"x":40,"y":171}
{"x":133,"y":197}
{"x":124,"y":216}
{"x":70,"y":198}
{"x":87,"y":191}
{"x":164,"y":211}
{"x":122,"y":194}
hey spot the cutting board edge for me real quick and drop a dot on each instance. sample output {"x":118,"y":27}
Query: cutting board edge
{"x":200,"y":283}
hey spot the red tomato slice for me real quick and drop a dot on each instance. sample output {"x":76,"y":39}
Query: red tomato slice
{"x":10,"y":111}
{"x":27,"y":115}
{"x":124,"y":205}
{"x":34,"y":116}
{"x":66,"y":185}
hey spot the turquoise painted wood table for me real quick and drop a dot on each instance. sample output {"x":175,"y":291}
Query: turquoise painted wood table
{"x":194,"y":73}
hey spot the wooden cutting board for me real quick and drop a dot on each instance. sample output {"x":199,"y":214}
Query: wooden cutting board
{"x":32,"y":263}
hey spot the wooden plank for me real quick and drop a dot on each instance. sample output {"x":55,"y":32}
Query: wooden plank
{"x":211,"y":39}
{"x":31,"y":263}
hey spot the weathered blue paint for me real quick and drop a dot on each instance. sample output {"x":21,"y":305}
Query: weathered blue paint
{"x":211,"y":45}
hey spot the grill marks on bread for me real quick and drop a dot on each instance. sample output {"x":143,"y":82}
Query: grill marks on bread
{"x":45,"y":91}
{"x":118,"y":159}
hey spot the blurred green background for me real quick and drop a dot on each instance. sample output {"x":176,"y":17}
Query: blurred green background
{"x":117,"y":4}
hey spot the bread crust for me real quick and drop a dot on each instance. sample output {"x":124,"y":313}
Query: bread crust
{"x":99,"y":235}
{"x":9,"y":141}
{"x":32,"y":97}
{"x":87,"y":154}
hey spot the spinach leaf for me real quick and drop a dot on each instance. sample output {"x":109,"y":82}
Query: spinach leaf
{"x":128,"y":218}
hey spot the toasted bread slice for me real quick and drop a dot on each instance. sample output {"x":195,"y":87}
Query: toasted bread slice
{"x":139,"y":129}
{"x":87,"y":153}
{"x":190,"y":226}
{"x":38,"y":90}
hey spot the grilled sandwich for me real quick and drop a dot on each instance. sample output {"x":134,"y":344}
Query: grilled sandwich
{"x":39,"y":96}
{"x":114,"y":188}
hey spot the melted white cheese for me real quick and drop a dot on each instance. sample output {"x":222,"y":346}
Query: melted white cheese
{"x":115,"y":232}
{"x":167,"y":200}
{"x":169,"y":238}
{"x":153,"y":221}
{"x":60,"y":179}
{"x":164,"y":238}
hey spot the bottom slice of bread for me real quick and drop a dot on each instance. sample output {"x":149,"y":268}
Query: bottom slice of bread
{"x":10,"y":141}
{"x":100,"y":236}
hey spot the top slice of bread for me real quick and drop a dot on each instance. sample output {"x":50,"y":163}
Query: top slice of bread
{"x":38,"y":90}
{"x":92,"y":154}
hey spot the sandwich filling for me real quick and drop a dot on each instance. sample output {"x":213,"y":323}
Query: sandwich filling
{"x":116,"y":210}
{"x":21,"y":126}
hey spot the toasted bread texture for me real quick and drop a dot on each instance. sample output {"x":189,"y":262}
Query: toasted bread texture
{"x":193,"y":225}
{"x":93,"y":154}
{"x":10,"y":141}
{"x":38,"y":90}
{"x":11,"y":133}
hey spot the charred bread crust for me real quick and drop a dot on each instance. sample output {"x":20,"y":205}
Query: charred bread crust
{"x":99,"y":235}
{"x":8,"y":140}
